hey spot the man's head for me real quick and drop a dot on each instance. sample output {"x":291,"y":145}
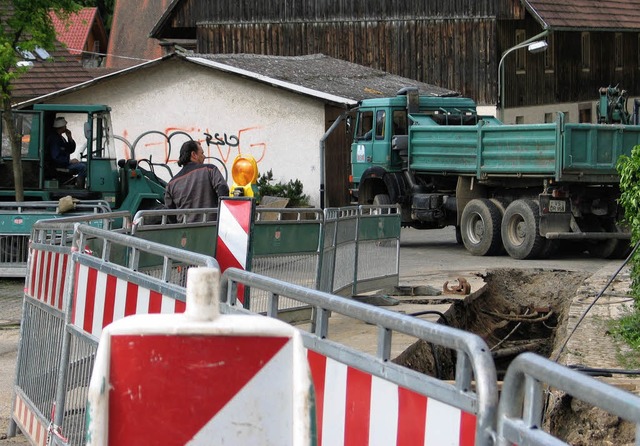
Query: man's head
{"x":60,"y":124}
{"x":191,"y":152}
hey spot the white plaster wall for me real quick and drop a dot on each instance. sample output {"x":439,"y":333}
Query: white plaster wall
{"x":535,"y":115}
{"x":282,"y":130}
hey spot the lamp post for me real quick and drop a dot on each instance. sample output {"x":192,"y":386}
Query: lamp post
{"x":534,"y":46}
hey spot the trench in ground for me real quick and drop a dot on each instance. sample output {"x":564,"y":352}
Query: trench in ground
{"x":524,"y":310}
{"x":520,"y":310}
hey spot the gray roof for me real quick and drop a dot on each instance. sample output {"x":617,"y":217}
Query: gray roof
{"x":324,"y":74}
{"x":322,"y":77}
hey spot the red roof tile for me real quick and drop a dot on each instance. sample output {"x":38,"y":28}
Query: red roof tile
{"x":610,"y":15}
{"x":129,"y":41}
{"x":74,"y":31}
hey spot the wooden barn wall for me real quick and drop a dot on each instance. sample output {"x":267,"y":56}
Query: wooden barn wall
{"x":189,"y":12}
{"x":337,"y":160}
{"x":457,"y":54}
{"x":567,"y":81}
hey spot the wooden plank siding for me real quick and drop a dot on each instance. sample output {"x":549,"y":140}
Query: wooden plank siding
{"x":566,"y":81}
{"x":454,"y":54}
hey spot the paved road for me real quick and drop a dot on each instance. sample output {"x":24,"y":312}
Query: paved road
{"x":422,"y":252}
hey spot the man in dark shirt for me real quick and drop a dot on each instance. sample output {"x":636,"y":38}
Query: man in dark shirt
{"x":61,"y":147}
{"x":197,"y":185}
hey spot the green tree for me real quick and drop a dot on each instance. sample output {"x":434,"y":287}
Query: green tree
{"x":24,"y":25}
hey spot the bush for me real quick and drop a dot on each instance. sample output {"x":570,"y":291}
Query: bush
{"x":291,"y":190}
{"x":628,"y":327}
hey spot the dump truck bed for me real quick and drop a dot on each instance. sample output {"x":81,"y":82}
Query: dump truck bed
{"x":565,"y":152}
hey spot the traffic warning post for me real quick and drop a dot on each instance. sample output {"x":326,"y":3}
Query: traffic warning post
{"x":200,"y":377}
{"x":235,"y":227}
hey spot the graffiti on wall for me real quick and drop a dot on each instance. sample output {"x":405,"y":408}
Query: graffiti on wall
{"x":163,"y":147}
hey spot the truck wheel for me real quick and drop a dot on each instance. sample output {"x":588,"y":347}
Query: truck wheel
{"x":381,"y":200}
{"x":480,"y":227}
{"x":520,"y":230}
{"x":613,"y":248}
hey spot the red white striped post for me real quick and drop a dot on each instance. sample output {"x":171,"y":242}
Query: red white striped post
{"x":233,"y":243}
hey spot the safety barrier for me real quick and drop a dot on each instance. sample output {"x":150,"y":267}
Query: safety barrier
{"x":42,"y":325}
{"x":59,"y":337}
{"x":366,"y":397}
{"x":361,"y":249}
{"x":223,"y":373}
{"x":18,"y":217}
{"x":529,"y":376}
{"x":339,"y":250}
{"x":359,"y":394}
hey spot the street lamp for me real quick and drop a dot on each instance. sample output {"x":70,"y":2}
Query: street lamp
{"x":535,"y":46}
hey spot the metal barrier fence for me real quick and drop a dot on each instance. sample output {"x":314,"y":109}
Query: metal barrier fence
{"x":19,"y":217}
{"x":42,"y":327}
{"x":358,"y":394}
{"x":361,"y":249}
{"x":362,"y":396}
{"x":62,"y":323}
{"x":521,"y":403}
{"x":341,"y":250}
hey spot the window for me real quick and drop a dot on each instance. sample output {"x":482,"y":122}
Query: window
{"x":519,"y":119}
{"x":520,"y":54}
{"x":548,"y":117}
{"x":399,"y":122}
{"x":365,"y":124}
{"x":380,"y":123}
{"x":584,"y":113}
{"x":549,"y":55}
{"x":586,"y":51}
{"x":619,"y":55}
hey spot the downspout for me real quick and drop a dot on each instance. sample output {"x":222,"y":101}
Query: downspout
{"x":323,"y":176}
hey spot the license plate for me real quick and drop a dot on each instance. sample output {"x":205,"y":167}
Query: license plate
{"x":557,"y":206}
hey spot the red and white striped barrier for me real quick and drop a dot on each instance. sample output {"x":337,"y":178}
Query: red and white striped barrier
{"x":235,"y":220}
{"x":100,"y":298}
{"x":354,"y":407}
{"x":200,"y":378}
{"x":28,"y":423}
{"x":48,"y":273}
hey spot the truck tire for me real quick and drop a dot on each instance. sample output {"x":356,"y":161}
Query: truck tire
{"x":381,"y":199}
{"x":520,"y":230}
{"x":480,"y":227}
{"x":612,"y":248}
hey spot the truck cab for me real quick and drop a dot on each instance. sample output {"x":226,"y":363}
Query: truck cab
{"x":381,"y":171}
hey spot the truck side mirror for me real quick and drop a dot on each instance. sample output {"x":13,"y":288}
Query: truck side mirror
{"x":347,"y":124}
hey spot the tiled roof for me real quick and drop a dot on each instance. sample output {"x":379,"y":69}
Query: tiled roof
{"x":129,"y":41}
{"x":74,"y":31}
{"x":62,"y":70}
{"x":606,"y":15}
{"x":322,"y":73}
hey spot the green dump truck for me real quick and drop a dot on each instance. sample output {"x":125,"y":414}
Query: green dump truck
{"x":521,"y":188}
{"x":111,"y":185}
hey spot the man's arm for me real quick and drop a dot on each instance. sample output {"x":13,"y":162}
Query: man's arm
{"x":218,"y":182}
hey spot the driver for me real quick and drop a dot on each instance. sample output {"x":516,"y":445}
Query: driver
{"x":61,"y":145}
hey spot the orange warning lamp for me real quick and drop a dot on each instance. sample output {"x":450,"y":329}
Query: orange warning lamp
{"x":244,"y":172}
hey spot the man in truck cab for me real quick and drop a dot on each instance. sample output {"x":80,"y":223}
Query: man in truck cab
{"x":61,"y":145}
{"x":197,"y":185}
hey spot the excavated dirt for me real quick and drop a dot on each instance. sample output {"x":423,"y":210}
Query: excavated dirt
{"x":519,"y":311}
{"x":523,"y":310}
